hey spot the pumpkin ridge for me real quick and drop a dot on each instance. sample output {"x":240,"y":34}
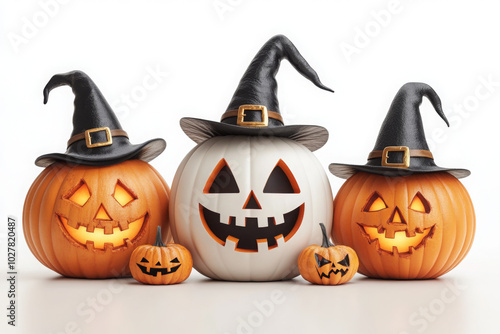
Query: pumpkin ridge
{"x":57,"y":267}
{"x":34,"y":200}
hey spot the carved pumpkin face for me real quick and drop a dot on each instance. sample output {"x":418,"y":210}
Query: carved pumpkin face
{"x":328,"y":264}
{"x":160,"y":263}
{"x":417,"y":226}
{"x":101,"y":214}
{"x":248,"y":203}
{"x":93,"y":215}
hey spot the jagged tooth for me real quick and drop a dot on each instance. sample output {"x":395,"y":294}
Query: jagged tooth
{"x":108,"y":229}
{"x":271,"y":221}
{"x":123,"y":225}
{"x":128,"y":242}
{"x":73,"y":224}
{"x":410,"y":234}
{"x":380,"y":229}
{"x":90,"y":228}
{"x":262,"y":222}
{"x":262,"y":246}
{"x":395,"y":251}
{"x":240,"y":221}
{"x":279,"y":220}
{"x":230,"y":243}
{"x":90,"y":245}
{"x":108,"y":245}
{"x":390,"y":233}
{"x":280,"y":240}
{"x":411,"y":249}
{"x":376,"y":242}
{"x":418,"y":230}
{"x":224,"y":219}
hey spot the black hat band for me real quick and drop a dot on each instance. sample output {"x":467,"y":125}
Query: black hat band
{"x":252,"y":122}
{"x":92,"y":143}
{"x":405,"y":161}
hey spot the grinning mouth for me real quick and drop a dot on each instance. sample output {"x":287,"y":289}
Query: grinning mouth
{"x":155,"y":271}
{"x":247,"y":237}
{"x":400,"y":243}
{"x":334,"y":271}
{"x":102,"y":235}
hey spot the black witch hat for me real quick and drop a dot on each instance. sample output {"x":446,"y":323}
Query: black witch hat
{"x":401,"y":148}
{"x":254,"y":108}
{"x":97,"y":138}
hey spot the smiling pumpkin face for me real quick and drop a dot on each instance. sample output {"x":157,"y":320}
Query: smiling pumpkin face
{"x":245,"y":206}
{"x":85,"y":221}
{"x":417,"y":226}
{"x":256,"y":228}
{"x":160,"y":263}
{"x":101,"y":215}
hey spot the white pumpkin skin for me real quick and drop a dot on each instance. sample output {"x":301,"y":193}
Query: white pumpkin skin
{"x":251,"y":161}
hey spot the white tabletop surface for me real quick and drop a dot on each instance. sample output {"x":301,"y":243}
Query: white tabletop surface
{"x":462,"y":301}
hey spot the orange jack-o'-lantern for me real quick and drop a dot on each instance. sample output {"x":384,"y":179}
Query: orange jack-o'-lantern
{"x":416,"y":226}
{"x":85,"y":221}
{"x":406,"y":217}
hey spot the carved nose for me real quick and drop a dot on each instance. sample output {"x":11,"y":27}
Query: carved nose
{"x":102,"y":214}
{"x":252,"y":202}
{"x":397,"y":217}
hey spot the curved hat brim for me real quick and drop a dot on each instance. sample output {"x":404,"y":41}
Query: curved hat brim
{"x":345,"y":171}
{"x":146,"y":151}
{"x":311,"y":136}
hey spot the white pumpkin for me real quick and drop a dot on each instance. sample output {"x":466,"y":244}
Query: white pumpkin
{"x":245,"y":207}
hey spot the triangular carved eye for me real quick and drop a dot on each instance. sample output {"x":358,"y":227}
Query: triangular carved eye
{"x":321,"y":261}
{"x":281,"y":180}
{"x":345,"y":262}
{"x":144,"y":260}
{"x":375,"y":203}
{"x":420,"y":204}
{"x":221,"y":181}
{"x":122,"y":194}
{"x":80,"y":194}
{"x":176,"y":260}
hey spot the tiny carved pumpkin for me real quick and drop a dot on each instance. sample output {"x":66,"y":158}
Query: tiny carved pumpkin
{"x":85,"y":221}
{"x":160,"y":263}
{"x":408,"y":227}
{"x":248,"y":219}
{"x":328,"y":264}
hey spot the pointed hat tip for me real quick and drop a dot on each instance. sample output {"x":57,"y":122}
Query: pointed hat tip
{"x":423,"y":89}
{"x":45,"y":95}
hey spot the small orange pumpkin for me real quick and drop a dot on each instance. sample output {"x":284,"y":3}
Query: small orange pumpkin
{"x":328,"y":264}
{"x":160,"y":263}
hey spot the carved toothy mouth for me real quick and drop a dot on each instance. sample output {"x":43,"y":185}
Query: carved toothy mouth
{"x":155,"y":271}
{"x":102,"y":235}
{"x":335,"y":271}
{"x":399,"y":243}
{"x":249,"y":236}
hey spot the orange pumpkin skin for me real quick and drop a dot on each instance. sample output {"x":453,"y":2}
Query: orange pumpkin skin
{"x":427,"y":240}
{"x":83,"y":240}
{"x":328,"y":264}
{"x":160,"y":263}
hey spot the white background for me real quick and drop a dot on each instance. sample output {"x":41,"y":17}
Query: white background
{"x":201,"y":49}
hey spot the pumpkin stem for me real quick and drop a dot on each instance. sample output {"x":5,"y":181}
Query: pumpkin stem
{"x":159,"y":242}
{"x":326,"y":242}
